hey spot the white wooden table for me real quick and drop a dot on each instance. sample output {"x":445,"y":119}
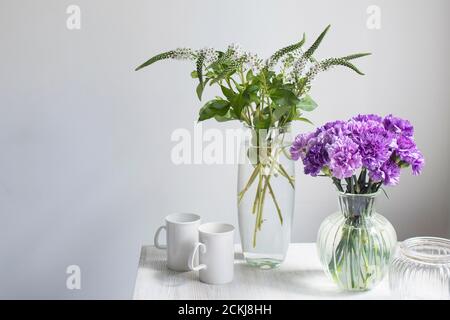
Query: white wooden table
{"x":299,"y":277}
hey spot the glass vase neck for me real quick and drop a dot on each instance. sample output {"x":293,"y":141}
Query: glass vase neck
{"x":283,"y":128}
{"x":261,"y":139}
{"x":357,"y":205}
{"x":268,"y":133}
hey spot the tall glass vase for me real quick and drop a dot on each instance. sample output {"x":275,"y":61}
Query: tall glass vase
{"x":356,"y":244}
{"x":266,"y":191}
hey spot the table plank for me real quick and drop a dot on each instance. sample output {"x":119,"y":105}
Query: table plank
{"x":299,"y":277}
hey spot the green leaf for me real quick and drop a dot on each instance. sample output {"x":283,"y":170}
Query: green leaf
{"x":281,"y":112}
{"x":228,"y":93}
{"x":307,"y":103}
{"x":194,"y":74}
{"x":158,"y":57}
{"x":221,"y":106}
{"x":249,"y":75}
{"x":303,"y":120}
{"x":226,"y":117}
{"x":261,"y":121}
{"x":227,"y":72}
{"x":316,"y":43}
{"x":250,"y":94}
{"x":403,"y":164}
{"x":283,"y":97}
{"x":206,"y":112}
{"x":199,"y":91}
{"x":214,"y":108}
{"x":242,"y":99}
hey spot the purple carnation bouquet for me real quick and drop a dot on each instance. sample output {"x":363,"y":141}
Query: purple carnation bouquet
{"x":361,"y":156}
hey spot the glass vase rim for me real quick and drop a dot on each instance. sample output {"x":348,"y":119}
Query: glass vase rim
{"x":286,"y":126}
{"x":359,"y":195}
{"x":407,"y":248}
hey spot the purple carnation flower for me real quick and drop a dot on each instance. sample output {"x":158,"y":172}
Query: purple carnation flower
{"x":367,"y":117}
{"x":374,"y":142}
{"x":344,"y":157}
{"x":407,"y":152}
{"x":311,"y":149}
{"x":298,"y":149}
{"x":380,"y":145}
{"x":406,"y":149}
{"x":377,"y":175}
{"x":336,"y":127}
{"x":418,"y":164}
{"x":391,"y":173}
{"x":316,"y":159}
{"x":398,"y":126}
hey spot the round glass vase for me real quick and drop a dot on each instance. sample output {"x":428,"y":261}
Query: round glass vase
{"x":421,"y":269}
{"x":356,"y":244}
{"x":266,"y":191}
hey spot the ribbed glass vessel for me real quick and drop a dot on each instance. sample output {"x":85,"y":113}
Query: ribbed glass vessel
{"x":266,"y":193}
{"x":356,"y":244}
{"x":421,"y":269}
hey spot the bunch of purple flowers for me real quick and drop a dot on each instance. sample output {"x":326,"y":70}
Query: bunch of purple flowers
{"x":377,"y":148}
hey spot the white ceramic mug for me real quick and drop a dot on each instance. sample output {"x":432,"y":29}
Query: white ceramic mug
{"x":181,"y":236}
{"x":216,"y":253}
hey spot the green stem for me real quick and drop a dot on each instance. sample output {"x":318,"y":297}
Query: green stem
{"x":241,"y":74}
{"x":376,"y":187}
{"x":337,"y":183}
{"x":258,"y":211}
{"x":276,"y":203}
{"x":286,"y":175}
{"x":262,"y":197}
{"x":356,"y":184}
{"x":249,"y":183}
{"x":258,"y":188}
{"x":362,"y":180}
{"x":350,"y":188}
{"x":266,"y":186}
{"x":249,"y":116}
{"x":369,"y":186}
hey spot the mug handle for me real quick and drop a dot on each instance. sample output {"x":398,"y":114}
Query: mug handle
{"x":156,"y":239}
{"x":192,"y":257}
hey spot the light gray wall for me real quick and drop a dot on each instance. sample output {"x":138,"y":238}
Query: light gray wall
{"x":85,"y":170}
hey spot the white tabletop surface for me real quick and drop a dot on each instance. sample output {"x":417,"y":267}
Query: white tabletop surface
{"x":299,"y":277}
